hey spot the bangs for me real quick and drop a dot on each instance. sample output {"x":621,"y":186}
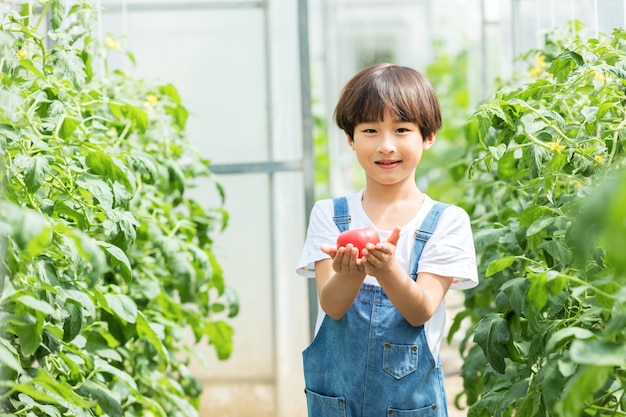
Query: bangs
{"x":401,"y":91}
{"x":384,"y":96}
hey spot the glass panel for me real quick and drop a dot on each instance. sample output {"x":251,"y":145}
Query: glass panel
{"x":216,"y":59}
{"x":244,"y":251}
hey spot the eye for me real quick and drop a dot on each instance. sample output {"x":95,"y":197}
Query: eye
{"x":403,"y":130}
{"x":369,"y":130}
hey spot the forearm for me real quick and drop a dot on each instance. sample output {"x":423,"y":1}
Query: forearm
{"x":338,"y":293}
{"x":416,"y":301}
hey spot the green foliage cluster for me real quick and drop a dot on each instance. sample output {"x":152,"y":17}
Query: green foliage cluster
{"x":107,"y":279}
{"x":547,"y":195}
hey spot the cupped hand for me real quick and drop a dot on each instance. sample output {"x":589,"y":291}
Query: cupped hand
{"x":380,"y":257}
{"x":345,"y":259}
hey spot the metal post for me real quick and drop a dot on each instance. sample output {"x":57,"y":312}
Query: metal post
{"x":307,"y":138}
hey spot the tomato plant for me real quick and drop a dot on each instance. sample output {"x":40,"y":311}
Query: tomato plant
{"x":108,"y":276}
{"x":359,"y":238}
{"x":548,"y":322}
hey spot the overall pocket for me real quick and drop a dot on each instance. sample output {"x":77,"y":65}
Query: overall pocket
{"x":399,"y":360}
{"x":319,"y":405}
{"x":428,"y":411}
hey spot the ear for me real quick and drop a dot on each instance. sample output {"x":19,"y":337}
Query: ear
{"x":430,"y":140}
{"x":350,"y":139}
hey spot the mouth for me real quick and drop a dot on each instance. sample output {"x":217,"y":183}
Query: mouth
{"x":388,"y":163}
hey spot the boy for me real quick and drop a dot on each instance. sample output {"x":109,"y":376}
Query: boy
{"x":382,"y":317}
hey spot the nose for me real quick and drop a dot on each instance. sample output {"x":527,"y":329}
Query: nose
{"x":387,"y":144}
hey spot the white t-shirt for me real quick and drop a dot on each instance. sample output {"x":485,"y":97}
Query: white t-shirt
{"x":449,"y":251}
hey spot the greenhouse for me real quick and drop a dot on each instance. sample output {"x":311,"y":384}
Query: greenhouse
{"x":161,"y":161}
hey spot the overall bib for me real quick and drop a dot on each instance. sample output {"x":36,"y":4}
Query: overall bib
{"x":372,"y":362}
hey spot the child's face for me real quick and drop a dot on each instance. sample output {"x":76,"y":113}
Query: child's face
{"x":389,"y":150}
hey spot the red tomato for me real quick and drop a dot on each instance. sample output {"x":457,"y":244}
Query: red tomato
{"x":359,"y":238}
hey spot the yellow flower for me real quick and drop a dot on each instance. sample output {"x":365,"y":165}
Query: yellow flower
{"x":22,"y":53}
{"x":555,"y":146}
{"x":599,"y":158}
{"x":150,"y":102}
{"x":540,"y":64}
{"x":152,"y":99}
{"x":599,"y":77}
{"x":112,"y":44}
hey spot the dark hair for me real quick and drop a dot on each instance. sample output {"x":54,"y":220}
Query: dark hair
{"x":381,"y":87}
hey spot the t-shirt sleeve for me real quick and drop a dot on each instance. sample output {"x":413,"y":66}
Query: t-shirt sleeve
{"x":450,"y":250}
{"x":321,"y":231}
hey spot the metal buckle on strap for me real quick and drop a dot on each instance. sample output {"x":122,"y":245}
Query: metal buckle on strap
{"x":418,"y":237}
{"x":342,"y":219}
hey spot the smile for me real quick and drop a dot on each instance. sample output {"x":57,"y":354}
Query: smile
{"x":387,"y":163}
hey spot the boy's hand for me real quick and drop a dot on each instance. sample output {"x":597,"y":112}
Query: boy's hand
{"x":345,"y":259}
{"x":378,"y":259}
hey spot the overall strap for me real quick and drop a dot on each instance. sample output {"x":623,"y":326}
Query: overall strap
{"x":342,"y":217}
{"x":424,"y":232}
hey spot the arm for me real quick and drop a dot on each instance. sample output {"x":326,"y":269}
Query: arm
{"x":416,"y":300}
{"x":338,"y":279}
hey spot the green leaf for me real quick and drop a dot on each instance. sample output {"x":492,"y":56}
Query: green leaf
{"x":137,"y":117}
{"x":73,"y":322}
{"x":103,"y":366}
{"x":487,"y":236}
{"x":144,"y":329}
{"x":63,"y":391}
{"x":35,"y":172}
{"x":33,"y":303}
{"x":492,"y":335}
{"x":101,"y":163}
{"x":103,"y":397}
{"x":499,"y":264}
{"x":220,"y":336}
{"x":9,"y":357}
{"x":539,"y":225}
{"x":497,"y":151}
{"x":29,"y":331}
{"x":515,"y":291}
{"x":538,"y":292}
{"x":99,"y":189}
{"x":179,"y":114}
{"x":559,"y":251}
{"x":31,"y":231}
{"x":68,"y":65}
{"x":579,"y":390}
{"x":566,"y":334}
{"x":117,"y":257}
{"x":564,"y":64}
{"x":598,"y":352}
{"x":68,"y":127}
{"x":120,"y":227}
{"x":57,"y":13}
{"x":532,"y":213}
{"x":122,"y":306}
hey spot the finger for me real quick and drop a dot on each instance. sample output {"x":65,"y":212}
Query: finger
{"x":348,"y":253}
{"x":395,"y":235}
{"x":329,"y":250}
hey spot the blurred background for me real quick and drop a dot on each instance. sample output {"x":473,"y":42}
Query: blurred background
{"x":260,"y":79}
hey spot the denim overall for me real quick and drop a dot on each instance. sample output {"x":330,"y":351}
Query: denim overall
{"x":372,"y":362}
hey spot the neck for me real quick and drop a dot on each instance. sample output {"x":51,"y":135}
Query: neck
{"x":385,"y":194}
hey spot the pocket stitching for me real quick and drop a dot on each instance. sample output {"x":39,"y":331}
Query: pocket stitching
{"x":405,"y":350}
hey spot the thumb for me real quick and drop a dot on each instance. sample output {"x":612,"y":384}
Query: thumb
{"x":395,"y":235}
{"x":329,"y":250}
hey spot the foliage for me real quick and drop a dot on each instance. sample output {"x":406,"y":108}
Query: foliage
{"x":321,"y":154}
{"x":108,"y":277}
{"x":444,"y":167}
{"x":547,"y":195}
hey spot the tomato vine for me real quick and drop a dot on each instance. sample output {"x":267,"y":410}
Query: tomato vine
{"x":548,"y":323}
{"x":108,"y":277}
